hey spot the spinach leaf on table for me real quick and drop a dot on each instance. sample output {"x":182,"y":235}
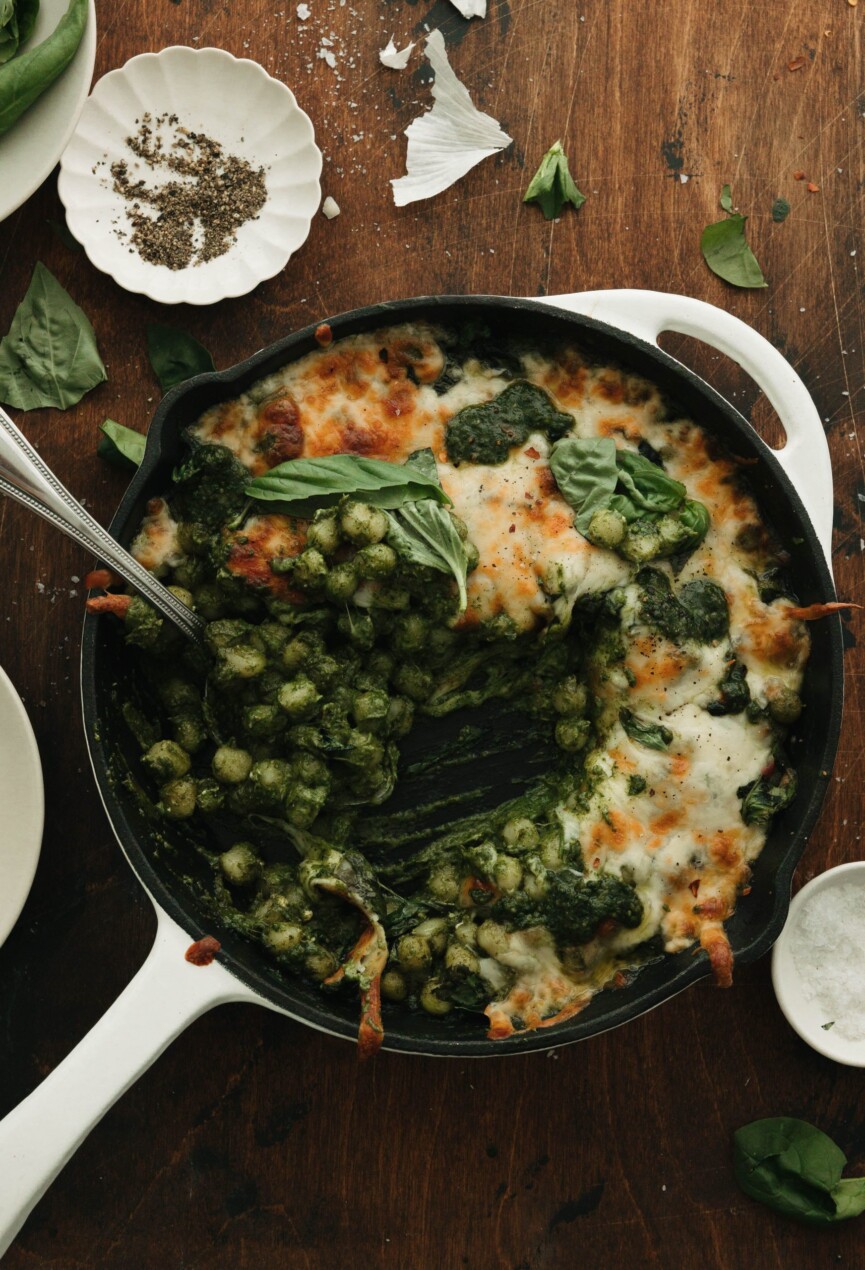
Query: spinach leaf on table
{"x":726,"y":251}
{"x":27,"y":76}
{"x":175,"y":356}
{"x":49,"y":357}
{"x":121,"y":446}
{"x":795,"y":1168}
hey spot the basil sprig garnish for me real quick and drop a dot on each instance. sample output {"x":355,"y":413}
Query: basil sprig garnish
{"x":420,"y":528}
{"x":121,"y":446}
{"x":725,"y":250}
{"x":302,"y":486}
{"x":594,"y":475}
{"x":795,"y":1168}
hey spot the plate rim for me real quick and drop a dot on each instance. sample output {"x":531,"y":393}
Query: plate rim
{"x":28,"y":835}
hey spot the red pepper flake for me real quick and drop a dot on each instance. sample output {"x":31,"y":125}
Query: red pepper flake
{"x":694,"y":887}
{"x":531,"y":453}
{"x":746,"y":890}
{"x":769,"y":769}
{"x":202,"y":952}
{"x":596,"y":863}
{"x":323,"y":335}
{"x":513,"y":529}
{"x":812,"y":188}
{"x":797,"y":63}
{"x":799,"y":176}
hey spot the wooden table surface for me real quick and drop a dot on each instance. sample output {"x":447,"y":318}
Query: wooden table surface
{"x":254,"y":1141}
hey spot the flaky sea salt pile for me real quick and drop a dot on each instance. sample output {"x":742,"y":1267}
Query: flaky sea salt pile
{"x":828,"y":945}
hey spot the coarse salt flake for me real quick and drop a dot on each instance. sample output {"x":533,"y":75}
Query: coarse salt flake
{"x":304,"y":12}
{"x":330,"y":208}
{"x":393,"y":58}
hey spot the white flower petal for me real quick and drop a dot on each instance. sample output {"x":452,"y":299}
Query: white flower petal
{"x":448,"y":140}
{"x":471,"y":8}
{"x":392,"y":57}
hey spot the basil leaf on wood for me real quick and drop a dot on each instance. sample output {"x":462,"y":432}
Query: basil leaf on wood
{"x":726,"y":251}
{"x":780,"y":210}
{"x":49,"y":357}
{"x":795,"y":1168}
{"x":26,"y":77}
{"x":302,"y":486}
{"x":424,"y":533}
{"x":121,"y":446}
{"x":552,"y":187}
{"x":653,"y":735}
{"x":175,"y":356}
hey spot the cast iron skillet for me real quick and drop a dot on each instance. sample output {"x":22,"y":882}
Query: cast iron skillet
{"x":169,"y":868}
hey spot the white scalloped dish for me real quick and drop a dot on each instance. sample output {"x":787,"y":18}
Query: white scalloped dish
{"x":21,"y":803}
{"x":234,"y":102}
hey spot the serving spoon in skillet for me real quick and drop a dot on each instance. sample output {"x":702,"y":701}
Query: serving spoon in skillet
{"x":26,"y":477}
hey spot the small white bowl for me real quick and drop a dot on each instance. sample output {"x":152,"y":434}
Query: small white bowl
{"x":22,"y":805}
{"x":235,"y":102}
{"x":803,"y":1014}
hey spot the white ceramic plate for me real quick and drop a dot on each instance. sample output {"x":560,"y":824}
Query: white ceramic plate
{"x":32,"y":146}
{"x":22,"y":806}
{"x":235,"y":102}
{"x":804,"y":1015}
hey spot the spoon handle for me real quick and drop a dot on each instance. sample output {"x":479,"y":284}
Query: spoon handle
{"x":26,"y":477}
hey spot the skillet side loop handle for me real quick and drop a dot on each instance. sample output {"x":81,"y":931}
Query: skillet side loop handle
{"x":805,"y":457}
{"x":40,"y":1135}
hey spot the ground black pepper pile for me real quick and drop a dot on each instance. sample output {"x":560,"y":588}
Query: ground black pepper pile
{"x":182,"y":222}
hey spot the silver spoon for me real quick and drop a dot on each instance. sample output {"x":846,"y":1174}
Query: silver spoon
{"x":26,"y":477}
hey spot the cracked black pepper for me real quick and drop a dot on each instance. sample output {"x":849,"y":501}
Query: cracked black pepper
{"x":194,"y":215}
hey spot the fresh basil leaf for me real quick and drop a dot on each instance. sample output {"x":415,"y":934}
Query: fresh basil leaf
{"x":424,"y":533}
{"x":26,"y":77}
{"x":424,"y":461}
{"x":780,"y":210}
{"x":793,"y":1167}
{"x":175,"y":356}
{"x":302,"y":486}
{"x":122,"y":446}
{"x":552,"y":186}
{"x":586,"y":473}
{"x":653,"y":735}
{"x":26,"y":13}
{"x":725,"y":250}
{"x":9,"y":31}
{"x":61,"y":229}
{"x":648,"y":485}
{"x":49,"y":357}
{"x":695,"y":518}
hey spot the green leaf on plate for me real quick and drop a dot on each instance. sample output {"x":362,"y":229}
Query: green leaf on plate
{"x":49,"y":357}
{"x":726,"y":250}
{"x":121,"y":446}
{"x":26,"y":77}
{"x":552,"y":186}
{"x":175,"y":356}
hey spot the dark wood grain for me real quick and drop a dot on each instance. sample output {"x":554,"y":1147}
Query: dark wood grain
{"x":254,"y":1142}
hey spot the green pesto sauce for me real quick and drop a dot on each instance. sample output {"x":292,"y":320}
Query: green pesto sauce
{"x":488,"y":433}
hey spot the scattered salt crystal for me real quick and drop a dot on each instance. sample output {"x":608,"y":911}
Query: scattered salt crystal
{"x":828,"y":943}
{"x":395,"y":59}
{"x":304,"y":12}
{"x":330,"y":208}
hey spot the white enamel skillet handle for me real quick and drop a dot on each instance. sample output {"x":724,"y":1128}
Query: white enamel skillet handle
{"x":805,"y":457}
{"x":41,"y":1134}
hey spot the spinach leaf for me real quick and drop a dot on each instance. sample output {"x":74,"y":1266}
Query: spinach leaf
{"x":733,"y":691}
{"x":725,"y":250}
{"x":49,"y":357}
{"x":121,"y":446}
{"x":302,"y":486}
{"x":586,"y":472}
{"x":653,"y":735}
{"x":699,"y":611}
{"x":424,"y":533}
{"x":467,"y":990}
{"x":793,"y":1167}
{"x":26,"y":77}
{"x":762,"y":798}
{"x":552,"y":186}
{"x":706,"y":606}
{"x":487,"y":433}
{"x":175,"y":356}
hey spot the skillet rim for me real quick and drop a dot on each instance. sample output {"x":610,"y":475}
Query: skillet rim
{"x":608,"y":1009}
